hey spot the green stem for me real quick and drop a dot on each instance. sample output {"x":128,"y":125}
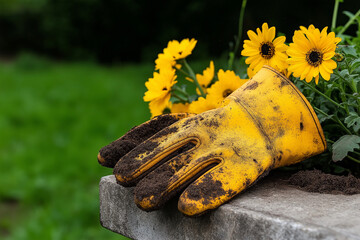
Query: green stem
{"x":353,"y":87}
{"x":351,"y":20}
{"x":192,"y":75}
{"x":343,"y":126}
{"x":357,"y":153}
{"x":322,"y":94}
{"x":177,"y":88}
{"x":335,"y":13}
{"x":321,"y":111}
{"x":343,"y":98}
{"x":179,"y":97}
{"x":239,"y":36}
{"x":334,"y":119}
{"x":183,"y":72}
{"x":353,"y":159}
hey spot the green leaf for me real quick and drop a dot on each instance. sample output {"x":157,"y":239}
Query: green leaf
{"x":349,"y":50}
{"x":344,"y":145}
{"x":322,"y":118}
{"x":344,"y":74}
{"x":349,"y":14}
{"x":193,"y":97}
{"x":353,"y":120}
{"x":355,"y":64}
{"x":339,"y":169}
{"x":174,"y":99}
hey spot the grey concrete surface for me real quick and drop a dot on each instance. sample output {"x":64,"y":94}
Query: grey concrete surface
{"x":269,"y":210}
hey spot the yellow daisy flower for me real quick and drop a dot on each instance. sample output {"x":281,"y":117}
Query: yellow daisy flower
{"x":159,"y":89}
{"x":311,"y":53}
{"x":228,"y":82}
{"x":164,"y":61}
{"x":250,"y":72}
{"x":157,"y":109}
{"x":174,"y":51}
{"x":263,"y":49}
{"x":202,"y":105}
{"x":206,"y":78}
{"x":180,"y":107}
{"x":179,"y":50}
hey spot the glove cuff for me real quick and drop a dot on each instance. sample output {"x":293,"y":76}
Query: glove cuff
{"x":283,"y":114}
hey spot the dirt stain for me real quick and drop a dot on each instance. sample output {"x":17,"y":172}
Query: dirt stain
{"x":283,"y":82}
{"x":301,"y":121}
{"x":129,"y":166}
{"x":276,"y":108}
{"x":208,"y":190}
{"x":120,"y":147}
{"x":252,"y":86}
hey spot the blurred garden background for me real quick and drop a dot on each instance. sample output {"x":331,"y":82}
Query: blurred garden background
{"x":72,"y":77}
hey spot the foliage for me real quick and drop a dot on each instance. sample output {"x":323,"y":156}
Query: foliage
{"x":110,"y":31}
{"x":30,"y":61}
{"x":53,"y":121}
{"x":327,"y":74}
{"x":337,"y":103}
{"x":345,"y":144}
{"x":20,"y":5}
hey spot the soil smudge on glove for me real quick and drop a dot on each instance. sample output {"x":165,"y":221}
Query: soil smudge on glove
{"x":120,"y":147}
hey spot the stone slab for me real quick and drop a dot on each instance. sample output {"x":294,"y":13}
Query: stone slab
{"x":269,"y":210}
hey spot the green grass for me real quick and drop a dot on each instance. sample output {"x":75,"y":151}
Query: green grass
{"x":54,"y":119}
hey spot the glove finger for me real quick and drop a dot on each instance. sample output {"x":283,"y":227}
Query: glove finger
{"x":109,"y":155}
{"x":151,"y":191}
{"x":221,"y":184}
{"x":167,"y":181}
{"x":150,"y":154}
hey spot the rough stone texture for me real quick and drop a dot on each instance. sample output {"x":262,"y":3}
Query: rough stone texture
{"x":269,"y":210}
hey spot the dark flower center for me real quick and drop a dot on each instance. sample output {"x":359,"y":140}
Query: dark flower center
{"x":227,"y":92}
{"x":267,"y":50}
{"x":314,"y":57}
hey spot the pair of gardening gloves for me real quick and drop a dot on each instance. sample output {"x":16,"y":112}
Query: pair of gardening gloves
{"x":211,"y":157}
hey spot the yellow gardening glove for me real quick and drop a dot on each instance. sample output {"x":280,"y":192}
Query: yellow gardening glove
{"x":213,"y":156}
